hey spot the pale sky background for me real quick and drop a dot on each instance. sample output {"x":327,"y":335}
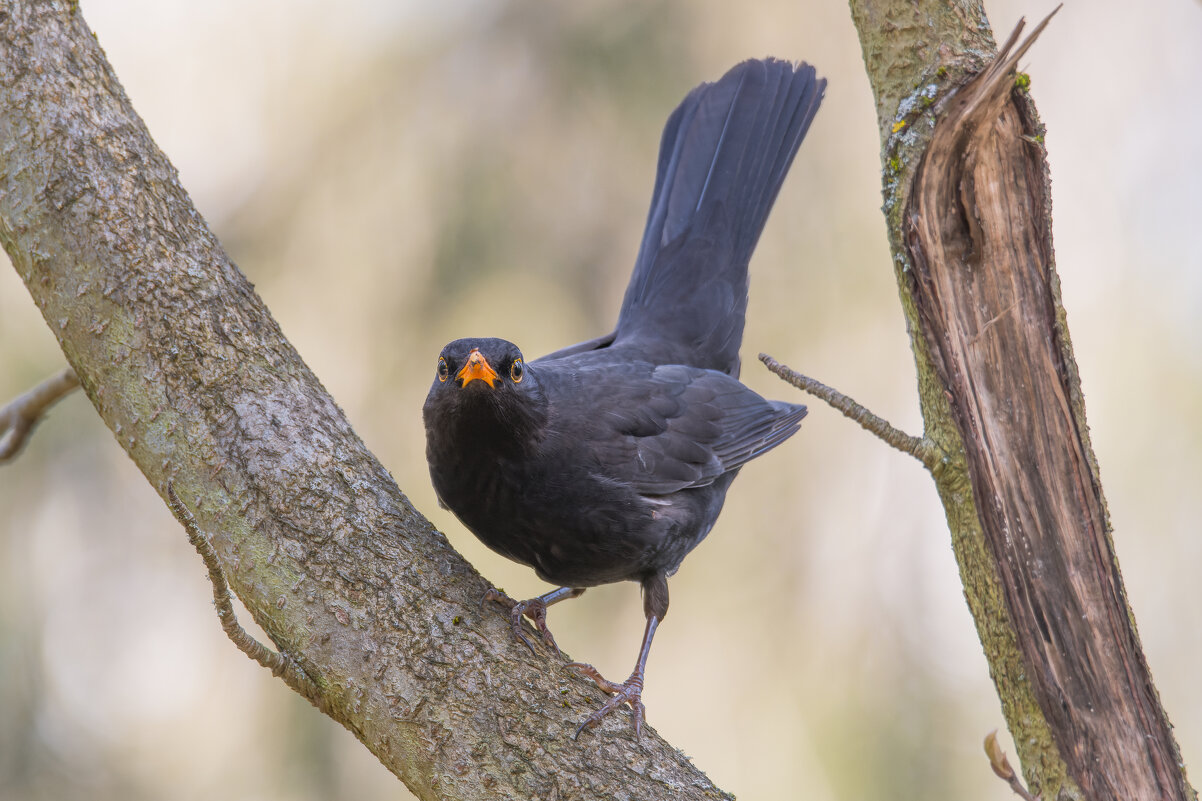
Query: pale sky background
{"x":393,"y":175}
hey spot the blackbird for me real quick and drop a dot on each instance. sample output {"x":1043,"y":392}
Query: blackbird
{"x":609,"y":460}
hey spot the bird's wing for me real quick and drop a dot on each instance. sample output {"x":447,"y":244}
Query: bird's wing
{"x":674,"y":427}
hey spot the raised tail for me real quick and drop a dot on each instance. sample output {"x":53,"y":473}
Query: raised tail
{"x":724,"y":154}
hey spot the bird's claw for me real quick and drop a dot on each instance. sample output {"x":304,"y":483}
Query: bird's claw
{"x":535,"y":609}
{"x":628,"y":692}
{"x":499,"y":596}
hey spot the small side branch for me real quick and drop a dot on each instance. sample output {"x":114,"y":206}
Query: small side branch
{"x":279,"y":664}
{"x":1001,"y":766}
{"x":921,"y":449}
{"x":23,"y":413}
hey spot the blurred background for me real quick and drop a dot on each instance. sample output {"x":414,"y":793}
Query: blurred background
{"x":397,"y":174}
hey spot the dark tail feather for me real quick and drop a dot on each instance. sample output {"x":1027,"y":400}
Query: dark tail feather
{"x":724,"y":154}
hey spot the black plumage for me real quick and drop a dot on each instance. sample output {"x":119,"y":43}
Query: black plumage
{"x":610,"y":460}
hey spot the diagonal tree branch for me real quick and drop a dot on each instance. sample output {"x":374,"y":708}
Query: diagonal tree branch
{"x":921,"y":449}
{"x":196,"y":381}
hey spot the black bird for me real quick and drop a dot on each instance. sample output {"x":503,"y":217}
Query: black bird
{"x":609,"y":460}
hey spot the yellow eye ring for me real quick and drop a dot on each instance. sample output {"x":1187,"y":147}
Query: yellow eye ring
{"x":516,"y":371}
{"x":444,"y":370}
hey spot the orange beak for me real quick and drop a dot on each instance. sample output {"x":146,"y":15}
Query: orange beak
{"x":476,"y":367}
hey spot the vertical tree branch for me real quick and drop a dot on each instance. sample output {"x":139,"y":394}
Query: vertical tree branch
{"x":968,"y":203}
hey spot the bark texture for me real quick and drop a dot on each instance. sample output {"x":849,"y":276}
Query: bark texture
{"x":967,"y":195}
{"x":199,"y":386}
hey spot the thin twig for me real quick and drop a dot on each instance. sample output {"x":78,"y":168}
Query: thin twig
{"x":279,"y":664}
{"x":920,"y":448}
{"x":1001,"y":766}
{"x":18,"y":418}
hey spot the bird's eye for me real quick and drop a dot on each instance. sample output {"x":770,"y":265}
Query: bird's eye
{"x":444,"y":370}
{"x":516,"y":371}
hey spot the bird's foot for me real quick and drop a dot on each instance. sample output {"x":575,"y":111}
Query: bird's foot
{"x":628,"y":692}
{"x":535,"y":609}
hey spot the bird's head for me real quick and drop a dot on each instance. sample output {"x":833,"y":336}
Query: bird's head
{"x":483,"y":382}
{"x":478,"y":365}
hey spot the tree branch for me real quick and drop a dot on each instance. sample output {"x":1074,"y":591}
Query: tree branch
{"x":24,"y":412}
{"x":979,"y":237}
{"x":1001,"y":767}
{"x":921,"y":449}
{"x":279,"y":664}
{"x":193,"y":376}
{"x":967,"y":198}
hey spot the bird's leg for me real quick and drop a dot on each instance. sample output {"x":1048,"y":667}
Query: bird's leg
{"x":655,"y":606}
{"x":628,"y":692}
{"x":535,"y":609}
